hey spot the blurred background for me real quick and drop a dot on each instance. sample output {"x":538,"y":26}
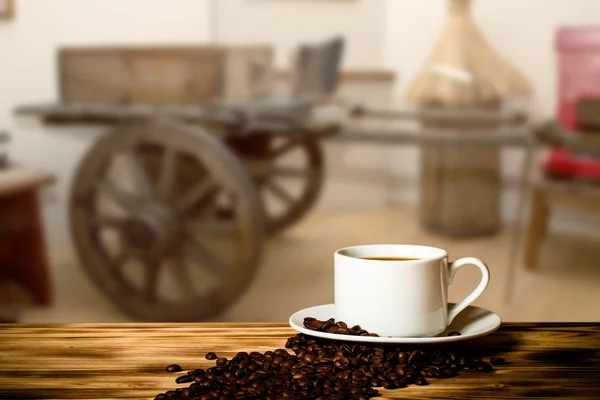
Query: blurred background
{"x":201,"y":160}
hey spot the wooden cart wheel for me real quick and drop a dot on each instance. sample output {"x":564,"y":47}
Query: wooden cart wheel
{"x":288,"y":170}
{"x":166,"y":221}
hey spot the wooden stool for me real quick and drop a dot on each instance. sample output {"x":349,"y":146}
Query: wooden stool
{"x":546,"y":193}
{"x":23,"y":262}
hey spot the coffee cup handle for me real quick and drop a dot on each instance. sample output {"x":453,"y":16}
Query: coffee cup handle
{"x":485,"y":279}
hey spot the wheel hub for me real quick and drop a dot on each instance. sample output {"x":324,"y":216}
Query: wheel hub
{"x":151,"y":229}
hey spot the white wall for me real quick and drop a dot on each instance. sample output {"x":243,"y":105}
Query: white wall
{"x":288,"y":22}
{"x":28,"y":75}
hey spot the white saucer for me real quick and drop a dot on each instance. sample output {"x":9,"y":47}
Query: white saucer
{"x":472,"y":322}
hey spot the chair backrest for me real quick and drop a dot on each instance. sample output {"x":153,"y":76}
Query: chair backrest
{"x":317,"y":69}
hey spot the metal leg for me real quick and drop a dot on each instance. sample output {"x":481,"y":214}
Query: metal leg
{"x":517,"y":234}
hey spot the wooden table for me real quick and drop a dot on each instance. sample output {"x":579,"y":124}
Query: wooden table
{"x":108,"y":361}
{"x":546,"y":195}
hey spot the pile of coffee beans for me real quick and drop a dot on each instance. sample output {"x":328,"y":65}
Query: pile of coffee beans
{"x":330,"y":326}
{"x":341,"y":328}
{"x":321,"y":369}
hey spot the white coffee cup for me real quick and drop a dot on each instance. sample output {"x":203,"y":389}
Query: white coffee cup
{"x":396,"y":297}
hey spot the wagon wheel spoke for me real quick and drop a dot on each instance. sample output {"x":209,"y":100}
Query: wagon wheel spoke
{"x":288,"y":172}
{"x":195,"y":194}
{"x":138,"y":173}
{"x":121,"y":258}
{"x":280,"y":192}
{"x":123,"y":198}
{"x":212,"y":225}
{"x":168,"y":170}
{"x":150,"y":287}
{"x":204,"y":257}
{"x":182,"y":275}
{"x":289,"y":189}
{"x":106,"y":221}
{"x":283,"y":149}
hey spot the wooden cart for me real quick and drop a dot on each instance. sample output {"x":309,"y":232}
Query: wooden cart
{"x":169,"y":211}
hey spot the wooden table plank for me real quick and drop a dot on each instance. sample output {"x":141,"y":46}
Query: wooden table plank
{"x":112,"y":361}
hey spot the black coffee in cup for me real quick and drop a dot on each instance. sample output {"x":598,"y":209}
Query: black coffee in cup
{"x":390,"y":258}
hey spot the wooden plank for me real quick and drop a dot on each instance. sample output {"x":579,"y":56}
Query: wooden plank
{"x":354,"y":75}
{"x":149,"y":75}
{"x":107,"y":114}
{"x":110,"y":361}
{"x":164,"y":75}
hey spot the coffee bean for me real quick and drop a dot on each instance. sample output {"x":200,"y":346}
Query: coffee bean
{"x":497,"y":360}
{"x":211,"y":356}
{"x":375,"y":382}
{"x":414,"y":356}
{"x":483,"y":366}
{"x":421,"y":381}
{"x":184,"y":379}
{"x":198,"y":371}
{"x":222,"y":362}
{"x":339,"y":327}
{"x":173,"y":368}
{"x":402,"y":357}
{"x":389,"y":385}
{"x":454,"y":333}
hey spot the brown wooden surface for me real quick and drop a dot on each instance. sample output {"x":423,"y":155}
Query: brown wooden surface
{"x":108,"y":361}
{"x":354,"y":75}
{"x":23,"y":258}
{"x":22,"y":233}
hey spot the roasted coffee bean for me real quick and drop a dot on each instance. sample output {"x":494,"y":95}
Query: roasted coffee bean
{"x":497,"y":360}
{"x":174,"y":368}
{"x":222,"y":362}
{"x":198,"y":371}
{"x":442,"y":374}
{"x":389,"y":385}
{"x":339,"y":327}
{"x":402,"y":357}
{"x":375,"y":382}
{"x":400,"y":370}
{"x":483,"y":366}
{"x":211,"y":356}
{"x":454,"y":333}
{"x":393,"y":377}
{"x":184,"y":379}
{"x":421,"y":381}
{"x":161,"y":397}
